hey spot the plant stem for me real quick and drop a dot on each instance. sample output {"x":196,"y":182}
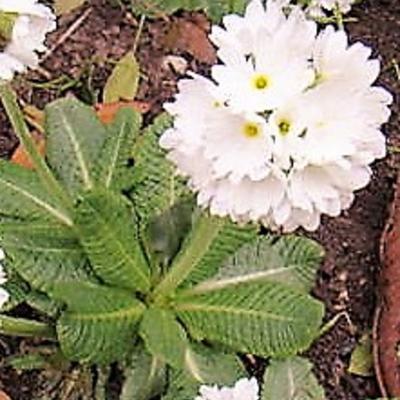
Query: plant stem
{"x":203,"y":234}
{"x":17,"y":120}
{"x":25,"y":327}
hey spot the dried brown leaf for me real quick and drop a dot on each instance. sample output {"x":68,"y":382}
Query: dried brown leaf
{"x":192,"y":38}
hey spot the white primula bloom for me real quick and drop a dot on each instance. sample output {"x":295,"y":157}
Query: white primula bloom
{"x":287,"y":128}
{"x":244,"y":389}
{"x":4,"y":295}
{"x":32,"y":23}
{"x":317,"y":8}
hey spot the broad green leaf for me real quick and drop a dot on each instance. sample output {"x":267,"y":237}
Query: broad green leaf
{"x":17,"y":288}
{"x":43,"y":303}
{"x":74,"y":139}
{"x":145,"y":376}
{"x":209,"y":242}
{"x":114,"y":169}
{"x":164,"y":337}
{"x":211,"y":365}
{"x":65,"y":6}
{"x":108,"y":233}
{"x":215,"y":8}
{"x":99,"y":324}
{"x":24,"y":197}
{"x":292,"y":260}
{"x":268,"y":319}
{"x":291,"y":379}
{"x":43,"y":253}
{"x":123,"y":82}
{"x":156,"y":186}
{"x":204,"y":365}
{"x":180,"y":386}
{"x":212,"y":249}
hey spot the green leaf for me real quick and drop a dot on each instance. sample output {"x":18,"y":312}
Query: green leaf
{"x":216,"y":248}
{"x":204,"y":365}
{"x":17,"y":289}
{"x":123,"y":82}
{"x":164,"y":337}
{"x":43,"y":253}
{"x":291,"y":379}
{"x":74,"y":139}
{"x":113,"y":167}
{"x":211,"y":365}
{"x":27,"y":362}
{"x":267,"y":319}
{"x":108,"y":230}
{"x":99,"y":324}
{"x":156,"y":185}
{"x":292,"y":260}
{"x":215,"y":8}
{"x":65,"y":6}
{"x":165,"y":233}
{"x":145,"y":376}
{"x":24,"y":197}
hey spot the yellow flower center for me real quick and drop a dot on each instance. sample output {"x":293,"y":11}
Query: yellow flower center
{"x":217,"y":104}
{"x":251,"y":129}
{"x":284,"y":127}
{"x":260,"y":81}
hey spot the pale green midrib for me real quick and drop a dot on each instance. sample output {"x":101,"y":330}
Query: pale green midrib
{"x":121,"y":249}
{"x":49,"y":208}
{"x":111,"y":315}
{"x":192,"y":367}
{"x":215,"y":285}
{"x":187,"y":307}
{"x":77,"y":150}
{"x":201,"y":240}
{"x":42,"y":249}
{"x":17,"y":120}
{"x":115,"y":157}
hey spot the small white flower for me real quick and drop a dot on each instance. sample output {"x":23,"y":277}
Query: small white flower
{"x":32,"y":23}
{"x":287,"y":128}
{"x":317,"y":8}
{"x":4,"y":295}
{"x":244,"y":389}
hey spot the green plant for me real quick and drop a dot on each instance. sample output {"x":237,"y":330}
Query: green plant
{"x":104,"y":240}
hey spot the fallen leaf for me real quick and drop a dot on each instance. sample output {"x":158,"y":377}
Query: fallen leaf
{"x":361,"y":362}
{"x":190,"y":37}
{"x":20,"y":156}
{"x":65,"y":6}
{"x":107,"y":112}
{"x":4,"y":396}
{"x":124,"y":80}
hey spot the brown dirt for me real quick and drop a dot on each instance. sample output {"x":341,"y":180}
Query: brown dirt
{"x":347,"y":279}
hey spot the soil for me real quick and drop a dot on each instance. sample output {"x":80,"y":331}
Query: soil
{"x":347,"y":279}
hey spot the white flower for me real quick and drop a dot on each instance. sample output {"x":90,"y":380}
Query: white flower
{"x":244,"y":389}
{"x":317,"y":8}
{"x":31,"y":22}
{"x":287,"y":128}
{"x":4,"y":295}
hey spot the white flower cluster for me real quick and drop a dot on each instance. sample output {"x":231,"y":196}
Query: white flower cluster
{"x":30,"y":22}
{"x":317,"y":8}
{"x":4,"y":295}
{"x":286,"y":129}
{"x":244,"y":389}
